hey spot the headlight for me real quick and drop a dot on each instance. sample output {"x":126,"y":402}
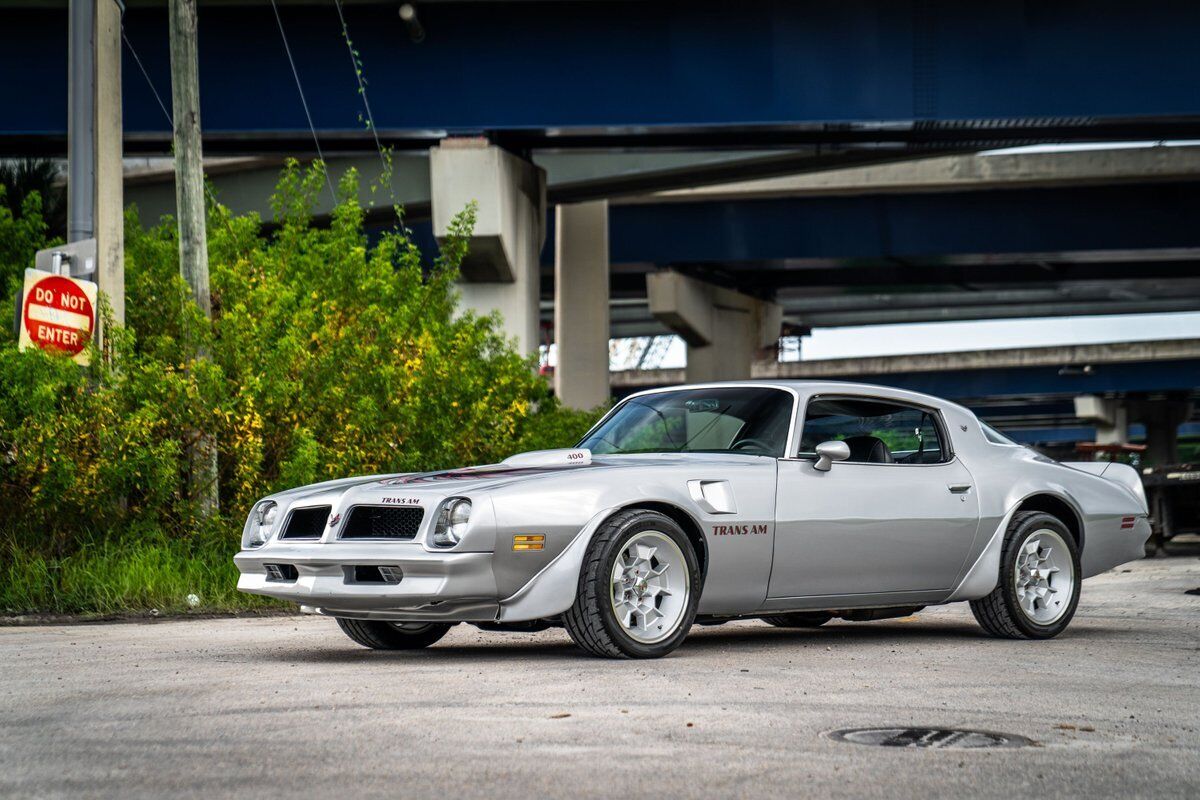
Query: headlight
{"x":452,"y":522}
{"x":261,"y":524}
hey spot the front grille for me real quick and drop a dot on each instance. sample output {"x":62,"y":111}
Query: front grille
{"x":306,"y":523}
{"x":377,"y":522}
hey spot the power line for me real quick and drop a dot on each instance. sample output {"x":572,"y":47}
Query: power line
{"x":208,"y":190}
{"x":362,"y":86}
{"x":146,"y":75}
{"x":304,"y":102}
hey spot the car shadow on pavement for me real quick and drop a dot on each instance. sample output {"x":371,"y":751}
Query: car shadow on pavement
{"x":495,"y":647}
{"x":834,"y":632}
{"x":554,"y":645}
{"x":917,"y":631}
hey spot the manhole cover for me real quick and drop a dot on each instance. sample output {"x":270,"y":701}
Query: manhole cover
{"x":935,"y":738}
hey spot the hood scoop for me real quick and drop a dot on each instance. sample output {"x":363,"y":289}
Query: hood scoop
{"x":563,"y":457}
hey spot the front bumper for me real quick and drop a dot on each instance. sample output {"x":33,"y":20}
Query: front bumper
{"x":442,"y":586}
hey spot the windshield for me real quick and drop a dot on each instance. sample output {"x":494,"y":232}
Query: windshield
{"x":722,"y":420}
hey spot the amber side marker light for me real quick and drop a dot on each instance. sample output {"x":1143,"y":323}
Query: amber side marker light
{"x":534,"y":541}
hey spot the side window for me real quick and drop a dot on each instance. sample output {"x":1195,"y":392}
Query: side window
{"x":877,"y":431}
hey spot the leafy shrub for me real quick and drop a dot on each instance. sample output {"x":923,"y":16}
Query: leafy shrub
{"x":328,"y":355}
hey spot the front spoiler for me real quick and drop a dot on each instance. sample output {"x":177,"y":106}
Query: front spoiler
{"x":446,"y":611}
{"x":458,"y":586}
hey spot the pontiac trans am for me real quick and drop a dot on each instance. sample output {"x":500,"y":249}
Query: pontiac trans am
{"x":791,"y":502}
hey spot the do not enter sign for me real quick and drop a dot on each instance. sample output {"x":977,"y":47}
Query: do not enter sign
{"x":58,"y":313}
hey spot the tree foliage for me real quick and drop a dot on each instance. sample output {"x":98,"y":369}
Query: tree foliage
{"x":331,"y":353}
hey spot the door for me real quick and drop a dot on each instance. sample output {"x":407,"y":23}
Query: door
{"x":899,"y":516}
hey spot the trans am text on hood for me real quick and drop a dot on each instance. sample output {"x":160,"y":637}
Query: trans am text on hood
{"x":793,"y":502}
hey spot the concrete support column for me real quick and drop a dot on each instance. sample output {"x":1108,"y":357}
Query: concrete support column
{"x":501,"y":270}
{"x":1162,"y":418}
{"x":581,"y":304}
{"x":1110,"y":417}
{"x":723,"y":329}
{"x":110,"y":169}
{"x":95,"y":176}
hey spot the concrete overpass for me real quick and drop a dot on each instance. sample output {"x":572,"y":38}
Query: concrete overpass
{"x":937,"y":239}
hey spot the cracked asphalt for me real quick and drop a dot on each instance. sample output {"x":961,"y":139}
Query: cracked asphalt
{"x":288,"y":706}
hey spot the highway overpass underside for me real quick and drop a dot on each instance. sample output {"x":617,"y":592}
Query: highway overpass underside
{"x":929,"y":256}
{"x":810,"y":164}
{"x":621,"y":74}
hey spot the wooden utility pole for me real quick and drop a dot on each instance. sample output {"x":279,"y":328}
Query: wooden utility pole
{"x":190,"y":210}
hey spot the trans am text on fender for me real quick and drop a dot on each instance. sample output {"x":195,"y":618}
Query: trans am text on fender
{"x":793,"y":502}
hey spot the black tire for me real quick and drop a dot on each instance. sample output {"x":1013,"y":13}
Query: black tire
{"x":1000,"y":613}
{"x":379,"y":635}
{"x":798,"y":619}
{"x":591,"y":622}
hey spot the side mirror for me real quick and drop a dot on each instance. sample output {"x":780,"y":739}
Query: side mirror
{"x":829,"y":452}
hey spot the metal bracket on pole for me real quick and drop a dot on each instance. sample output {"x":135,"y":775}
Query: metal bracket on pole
{"x":75,"y":260}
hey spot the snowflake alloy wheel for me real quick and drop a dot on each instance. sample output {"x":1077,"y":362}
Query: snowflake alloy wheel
{"x":650,"y":585}
{"x":1044,"y":576}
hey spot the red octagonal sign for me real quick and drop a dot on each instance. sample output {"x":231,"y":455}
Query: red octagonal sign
{"x":59,"y":313}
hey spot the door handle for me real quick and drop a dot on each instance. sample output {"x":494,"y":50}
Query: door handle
{"x":959,"y":488}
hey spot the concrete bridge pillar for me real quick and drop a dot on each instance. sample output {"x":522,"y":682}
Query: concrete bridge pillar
{"x":500,"y":272}
{"x":581,"y":323}
{"x":1110,"y":417}
{"x":1162,"y":418}
{"x":724,"y":329}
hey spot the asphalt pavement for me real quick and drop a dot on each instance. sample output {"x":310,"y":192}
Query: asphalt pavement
{"x":289,"y":707}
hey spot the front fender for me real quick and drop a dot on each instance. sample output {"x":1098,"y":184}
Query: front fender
{"x":552,"y":590}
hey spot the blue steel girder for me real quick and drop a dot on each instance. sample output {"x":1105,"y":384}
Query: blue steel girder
{"x":1043,"y":235}
{"x":755,"y":238}
{"x":972,"y":385}
{"x":1079,"y":433}
{"x":756,"y":72}
{"x":1009,"y":392}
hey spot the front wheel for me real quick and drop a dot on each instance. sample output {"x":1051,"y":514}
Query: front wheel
{"x":638,"y":589}
{"x":379,"y":635}
{"x":1039,"y":581}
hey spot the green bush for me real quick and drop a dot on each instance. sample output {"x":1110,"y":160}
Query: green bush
{"x":328,"y":354}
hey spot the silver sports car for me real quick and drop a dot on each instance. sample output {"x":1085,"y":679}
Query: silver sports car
{"x":792,"y":502}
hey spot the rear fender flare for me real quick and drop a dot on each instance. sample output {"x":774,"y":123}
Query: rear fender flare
{"x":984,"y":574}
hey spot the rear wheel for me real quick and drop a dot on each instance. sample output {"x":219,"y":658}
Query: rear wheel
{"x":379,"y":635}
{"x":1039,"y":583}
{"x":798,"y":619}
{"x":638,"y":589}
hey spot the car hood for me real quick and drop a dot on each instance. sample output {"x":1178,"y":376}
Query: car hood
{"x":419,"y":486}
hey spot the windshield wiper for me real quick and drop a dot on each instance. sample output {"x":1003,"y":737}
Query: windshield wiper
{"x":666,"y":422}
{"x":719,"y":414}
